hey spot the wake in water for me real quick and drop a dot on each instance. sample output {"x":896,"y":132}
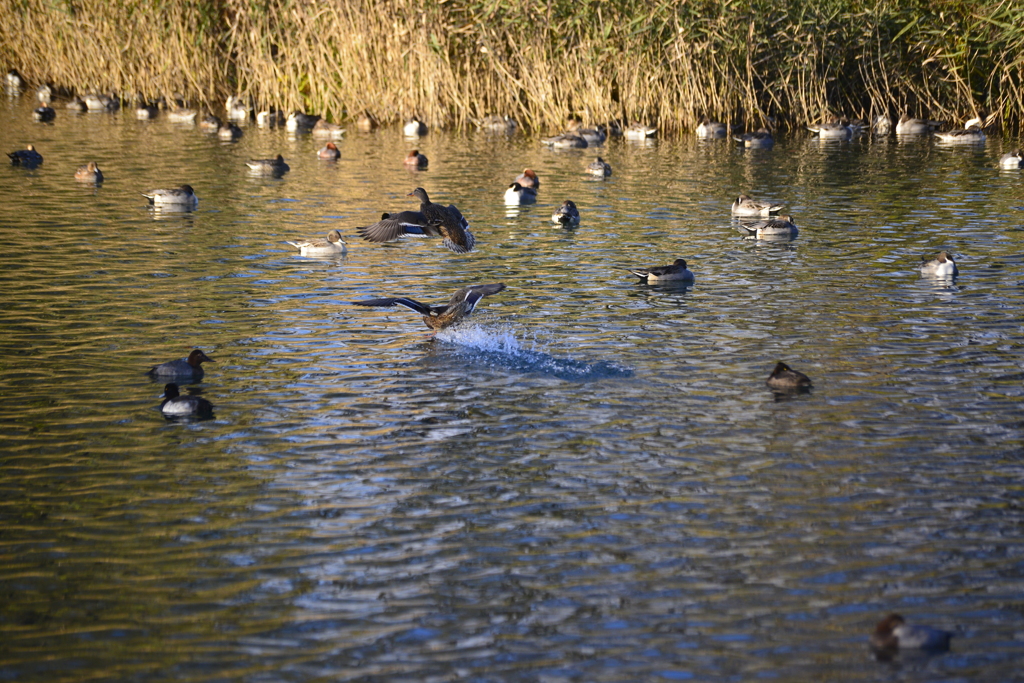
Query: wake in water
{"x":500,"y":348}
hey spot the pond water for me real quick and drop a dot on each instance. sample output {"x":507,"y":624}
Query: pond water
{"x":588,"y":480}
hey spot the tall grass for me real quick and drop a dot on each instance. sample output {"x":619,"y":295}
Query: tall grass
{"x":451,"y":61}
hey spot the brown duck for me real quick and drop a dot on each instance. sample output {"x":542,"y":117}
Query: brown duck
{"x":432,"y":220}
{"x":437,"y":318}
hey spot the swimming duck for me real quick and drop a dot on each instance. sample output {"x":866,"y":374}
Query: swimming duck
{"x":517,"y":194}
{"x":593,"y":136}
{"x":325,"y":129}
{"x":229,"y":131}
{"x":835,"y":129}
{"x":748,"y":206}
{"x":366,"y":122}
{"x":528,"y":178}
{"x":460,"y":306}
{"x":599,"y":167}
{"x":677,"y":272}
{"x":432,"y":220}
{"x":1011,"y":160}
{"x":144,"y":111}
{"x":567,"y":214}
{"x":275,"y":167}
{"x":414,"y":127}
{"x":330,"y":152}
{"x":882,"y":125}
{"x":970,"y":134}
{"x":95,"y":102}
{"x":942,"y":265}
{"x":236,"y":108}
{"x":210,"y":124}
{"x":781,"y":227}
{"x":892,"y":634}
{"x":270,"y":118}
{"x":911,"y":126}
{"x":14,"y":79}
{"x":416,"y":160}
{"x":565,"y":141}
{"x":639,"y":131}
{"x":334,"y":245}
{"x":711,"y":129}
{"x":44,"y":113}
{"x":28,"y":157}
{"x":90,"y":173}
{"x":181,"y":197}
{"x":182,"y":115}
{"x":44,"y":93}
{"x":499,"y":124}
{"x":188,"y":368}
{"x":176,"y":405}
{"x":785,"y":377}
{"x":759,"y":138}
{"x":75,"y":104}
{"x":300,"y":121}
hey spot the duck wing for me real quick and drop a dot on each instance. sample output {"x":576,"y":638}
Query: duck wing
{"x":393,"y":226}
{"x":412,"y":304}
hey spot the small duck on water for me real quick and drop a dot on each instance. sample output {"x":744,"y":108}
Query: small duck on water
{"x":761,"y":138}
{"x":600,"y":168}
{"x":748,"y":206}
{"x":567,"y":214}
{"x":28,"y":157}
{"x":437,"y":318}
{"x":181,"y":197}
{"x":416,"y":160}
{"x":188,"y":368}
{"x":1011,"y":160}
{"x":708,"y":129}
{"x":90,"y":173}
{"x":677,"y":272}
{"x":517,"y":194}
{"x":229,"y":131}
{"x":273,"y":167}
{"x":414,"y":128}
{"x":176,"y":405}
{"x":330,"y":152}
{"x":781,"y":227}
{"x":334,"y":245}
{"x":786,"y":378}
{"x":941,"y":265}
{"x":892,"y":634}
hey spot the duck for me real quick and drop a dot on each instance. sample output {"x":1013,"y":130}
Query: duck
{"x":437,"y":318}
{"x":677,"y":272}
{"x":44,"y":113}
{"x":565,"y":141}
{"x":270,"y":118}
{"x":76,"y":104}
{"x":188,"y":368}
{"x":748,"y":206}
{"x":498,"y":124}
{"x":599,"y":167}
{"x":416,"y":160}
{"x":970,"y":134}
{"x":709,"y":129}
{"x":176,"y":405}
{"x":366,"y":122}
{"x":44,"y":93}
{"x":274,"y":167}
{"x":762,"y":138}
{"x":334,"y":245}
{"x":96,"y":102}
{"x":300,"y":121}
{"x":236,"y":108}
{"x":144,"y":111}
{"x":1011,"y":160}
{"x":911,"y":126}
{"x":325,"y":129}
{"x":432,"y":220}
{"x":210,"y":124}
{"x":528,"y":178}
{"x":941,"y":265}
{"x":329,"y":151}
{"x":780,"y":227}
{"x":882,"y":125}
{"x":517,"y":194}
{"x":182,"y":197}
{"x":639,"y":131}
{"x":14,"y":79}
{"x":786,"y":378}
{"x":414,"y":128}
{"x":567,"y":214}
{"x":182,"y":115}
{"x":893,"y":634}
{"x":835,"y":129}
{"x":593,"y":136}
{"x":28,"y":157}
{"x":90,"y":173}
{"x":229,"y":131}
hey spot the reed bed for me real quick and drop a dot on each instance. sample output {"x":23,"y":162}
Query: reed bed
{"x":670,"y":62}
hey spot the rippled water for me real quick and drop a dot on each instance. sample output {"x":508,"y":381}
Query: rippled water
{"x":588,"y":481}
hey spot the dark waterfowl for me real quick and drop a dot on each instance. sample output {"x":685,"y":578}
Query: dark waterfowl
{"x":188,"y":368}
{"x":300,"y":121}
{"x":414,"y":128}
{"x":786,"y":378}
{"x":416,"y":160}
{"x":435,"y":220}
{"x":567,"y":214}
{"x":677,"y":272}
{"x":272,"y":167}
{"x":892,"y":634}
{"x":28,"y":157}
{"x":44,"y":113}
{"x":762,"y":137}
{"x":458,"y":307}
{"x":176,"y":405}
{"x":565,"y":141}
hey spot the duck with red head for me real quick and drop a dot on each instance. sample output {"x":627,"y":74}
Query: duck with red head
{"x":190,"y":368}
